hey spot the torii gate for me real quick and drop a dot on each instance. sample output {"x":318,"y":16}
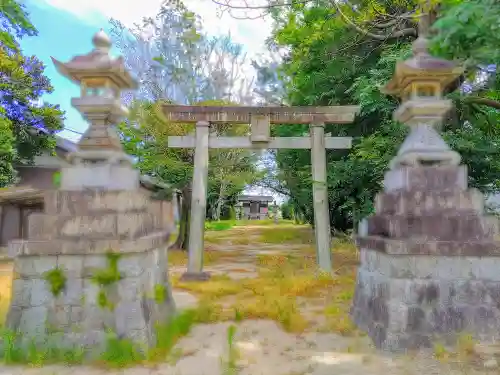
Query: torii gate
{"x":260,"y":119}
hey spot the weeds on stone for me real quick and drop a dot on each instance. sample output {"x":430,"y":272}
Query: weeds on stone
{"x":107,"y":276}
{"x":39,"y":353}
{"x":159,"y":293}
{"x":57,"y":281}
{"x":102,"y":300}
{"x":168,"y":334}
{"x":118,"y":353}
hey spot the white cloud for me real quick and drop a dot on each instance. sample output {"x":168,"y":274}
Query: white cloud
{"x":250,"y":33}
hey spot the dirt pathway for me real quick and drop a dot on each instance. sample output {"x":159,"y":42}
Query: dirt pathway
{"x":246,"y":269}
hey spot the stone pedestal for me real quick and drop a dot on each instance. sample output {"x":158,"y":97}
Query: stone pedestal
{"x":429,"y":262}
{"x":95,"y":261}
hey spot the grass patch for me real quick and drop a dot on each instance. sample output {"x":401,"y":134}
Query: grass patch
{"x":37,"y":354}
{"x":266,"y":222}
{"x":273,"y":295}
{"x":281,"y":235}
{"x":179,"y":257}
{"x":229,"y":365}
{"x":119,"y":353}
{"x":169,"y":334}
{"x":219,"y":225}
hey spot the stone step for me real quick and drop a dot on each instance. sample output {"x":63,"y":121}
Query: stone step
{"x":433,"y":227}
{"x":426,"y":178}
{"x":43,"y":226}
{"x":429,"y":202}
{"x":60,"y":202}
{"x":479,"y":248}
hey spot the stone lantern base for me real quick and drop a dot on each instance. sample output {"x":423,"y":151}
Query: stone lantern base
{"x":429,"y":262}
{"x":95,"y":263}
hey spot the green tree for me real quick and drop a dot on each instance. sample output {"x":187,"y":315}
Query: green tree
{"x":180,"y":64}
{"x":337,"y":56}
{"x":26,"y":127}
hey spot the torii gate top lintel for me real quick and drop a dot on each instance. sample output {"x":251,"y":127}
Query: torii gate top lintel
{"x":276,"y":115}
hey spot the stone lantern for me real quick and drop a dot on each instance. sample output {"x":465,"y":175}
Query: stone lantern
{"x":275,"y":212}
{"x":429,"y":258}
{"x":99,"y":161}
{"x":420,"y":83}
{"x":95,"y":260}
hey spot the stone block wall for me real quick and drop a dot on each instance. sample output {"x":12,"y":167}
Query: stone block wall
{"x":110,"y":249}
{"x":407,"y":301}
{"x":429,"y":262}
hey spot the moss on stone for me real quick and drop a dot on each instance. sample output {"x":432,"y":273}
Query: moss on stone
{"x":102,"y":299}
{"x":110,"y":275}
{"x":159,"y":293}
{"x":103,"y":302}
{"x":57,"y":281}
{"x":105,"y":277}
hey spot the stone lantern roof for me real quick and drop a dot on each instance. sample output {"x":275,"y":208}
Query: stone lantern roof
{"x":422,"y":67}
{"x":97,"y":63}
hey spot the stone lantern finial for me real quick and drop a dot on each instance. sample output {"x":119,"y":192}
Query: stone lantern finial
{"x":101,"y":41}
{"x":102,"y":78}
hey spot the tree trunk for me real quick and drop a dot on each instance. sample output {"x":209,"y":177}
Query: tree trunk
{"x":182,"y":242}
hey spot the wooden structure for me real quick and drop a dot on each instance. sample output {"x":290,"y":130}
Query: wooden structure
{"x":255,"y":207}
{"x":260,"y":119}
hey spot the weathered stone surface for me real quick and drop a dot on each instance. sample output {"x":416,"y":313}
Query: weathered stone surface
{"x":21,"y":292}
{"x":134,"y":225}
{"x":70,"y":203}
{"x":448,"y":227}
{"x":479,"y":248}
{"x":130,"y":317}
{"x":76,"y":311}
{"x":42,"y":226}
{"x":71,"y":265}
{"x":95,"y":226}
{"x":79,"y":246}
{"x":34,"y":267}
{"x":130,"y":288}
{"x":429,"y":262}
{"x":437,"y":178}
{"x":430,"y":267}
{"x":40,"y":293}
{"x":416,"y":202}
{"x":132,"y":265}
{"x":91,"y":263}
{"x":33,"y":322}
{"x":408,"y":301}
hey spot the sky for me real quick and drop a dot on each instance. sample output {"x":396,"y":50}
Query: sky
{"x":66,"y":28}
